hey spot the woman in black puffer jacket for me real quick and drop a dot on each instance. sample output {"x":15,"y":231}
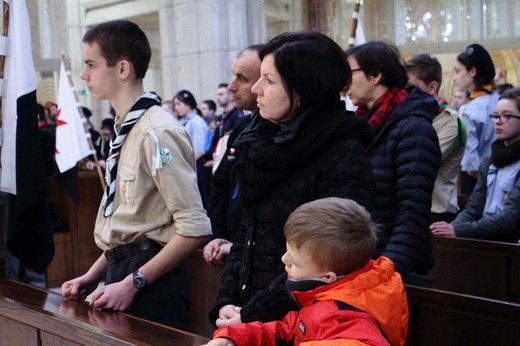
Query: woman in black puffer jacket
{"x":405,"y":155}
{"x":302,"y":146}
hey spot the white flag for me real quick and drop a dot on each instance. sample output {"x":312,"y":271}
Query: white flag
{"x":360,"y":34}
{"x":71,"y":140}
{"x":20,"y":80}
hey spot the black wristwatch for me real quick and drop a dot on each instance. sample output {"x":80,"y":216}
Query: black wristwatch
{"x":139,"y":280}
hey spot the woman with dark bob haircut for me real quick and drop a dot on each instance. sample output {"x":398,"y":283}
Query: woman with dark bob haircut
{"x":303,"y":145}
{"x":405,"y":155}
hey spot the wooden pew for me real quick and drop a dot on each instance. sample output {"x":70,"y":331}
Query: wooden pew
{"x":477,"y":267}
{"x":75,"y":248}
{"x":33,"y":316}
{"x":204,"y":285}
{"x":446,"y":318}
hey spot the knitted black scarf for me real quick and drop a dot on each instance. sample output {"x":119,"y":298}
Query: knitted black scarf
{"x":502,"y":156}
{"x":271,"y":153}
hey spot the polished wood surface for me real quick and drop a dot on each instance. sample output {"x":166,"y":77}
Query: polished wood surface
{"x":477,"y":267}
{"x":447,"y":318}
{"x":28,"y":313}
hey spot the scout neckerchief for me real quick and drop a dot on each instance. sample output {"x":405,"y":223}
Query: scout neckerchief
{"x":484,"y":90}
{"x":140,"y":106}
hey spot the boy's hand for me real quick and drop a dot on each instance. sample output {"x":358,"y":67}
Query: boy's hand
{"x":216,"y":250}
{"x":228,"y":315}
{"x":78,"y":288}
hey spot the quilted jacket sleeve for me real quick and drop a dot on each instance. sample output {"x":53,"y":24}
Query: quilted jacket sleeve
{"x":417,"y":159}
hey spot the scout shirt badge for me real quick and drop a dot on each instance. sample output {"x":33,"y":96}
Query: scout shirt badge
{"x":166,"y":156}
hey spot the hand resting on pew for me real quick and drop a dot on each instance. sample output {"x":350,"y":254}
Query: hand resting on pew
{"x":79,"y":288}
{"x":216,"y":251}
{"x":442,"y":229}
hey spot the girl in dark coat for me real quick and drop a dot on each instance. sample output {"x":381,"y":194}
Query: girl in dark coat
{"x":405,"y":154}
{"x":302,"y":146}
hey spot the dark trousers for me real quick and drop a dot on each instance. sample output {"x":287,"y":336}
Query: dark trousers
{"x":166,"y":300}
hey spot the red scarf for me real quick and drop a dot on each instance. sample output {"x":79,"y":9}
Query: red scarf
{"x":382,"y":108}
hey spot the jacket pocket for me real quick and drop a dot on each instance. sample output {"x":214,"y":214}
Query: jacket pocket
{"x":506,"y":186}
{"x":126,"y":177}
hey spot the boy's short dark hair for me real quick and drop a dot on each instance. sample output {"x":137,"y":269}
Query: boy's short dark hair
{"x":121,"y":39}
{"x":338,"y":233}
{"x":425,"y":67}
{"x":512,"y":94}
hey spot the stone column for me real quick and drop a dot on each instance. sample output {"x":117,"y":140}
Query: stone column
{"x":200,"y":38}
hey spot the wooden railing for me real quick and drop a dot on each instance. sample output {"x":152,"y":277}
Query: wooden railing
{"x":33,"y":316}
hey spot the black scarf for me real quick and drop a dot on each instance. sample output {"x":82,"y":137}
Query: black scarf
{"x":302,"y":285}
{"x":502,"y":155}
{"x":271,"y":152}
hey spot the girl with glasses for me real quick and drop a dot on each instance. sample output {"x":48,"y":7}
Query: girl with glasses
{"x":493,"y":210}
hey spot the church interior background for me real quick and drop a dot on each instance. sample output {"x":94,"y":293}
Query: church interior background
{"x":195,"y":41}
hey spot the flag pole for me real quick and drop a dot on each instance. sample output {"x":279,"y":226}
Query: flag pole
{"x":84,"y":122}
{"x":353,"y":28}
{"x":5,"y":31}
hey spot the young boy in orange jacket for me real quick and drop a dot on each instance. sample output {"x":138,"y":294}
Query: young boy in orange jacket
{"x":345,"y":297}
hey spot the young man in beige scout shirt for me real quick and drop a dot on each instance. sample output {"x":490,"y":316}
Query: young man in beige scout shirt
{"x":151,"y":217}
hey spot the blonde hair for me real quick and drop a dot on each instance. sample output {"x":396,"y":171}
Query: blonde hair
{"x":337,"y":233}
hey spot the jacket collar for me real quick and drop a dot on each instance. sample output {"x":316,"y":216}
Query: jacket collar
{"x":308,"y":297}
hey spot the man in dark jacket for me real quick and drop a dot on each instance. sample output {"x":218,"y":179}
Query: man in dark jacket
{"x":223,"y":207}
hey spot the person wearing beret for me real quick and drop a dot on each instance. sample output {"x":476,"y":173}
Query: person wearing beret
{"x":474,"y":70}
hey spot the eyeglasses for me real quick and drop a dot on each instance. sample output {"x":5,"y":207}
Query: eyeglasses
{"x":355,"y":69}
{"x":503,"y":118}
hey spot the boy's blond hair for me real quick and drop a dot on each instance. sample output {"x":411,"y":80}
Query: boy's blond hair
{"x":337,"y":233}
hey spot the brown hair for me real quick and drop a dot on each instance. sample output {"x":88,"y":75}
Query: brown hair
{"x":338,"y":233}
{"x":512,"y":94}
{"x":425,"y":67}
{"x":121,"y":39}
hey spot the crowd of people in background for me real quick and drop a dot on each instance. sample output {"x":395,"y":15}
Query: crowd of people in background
{"x":284,"y":147}
{"x":463,"y":128}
